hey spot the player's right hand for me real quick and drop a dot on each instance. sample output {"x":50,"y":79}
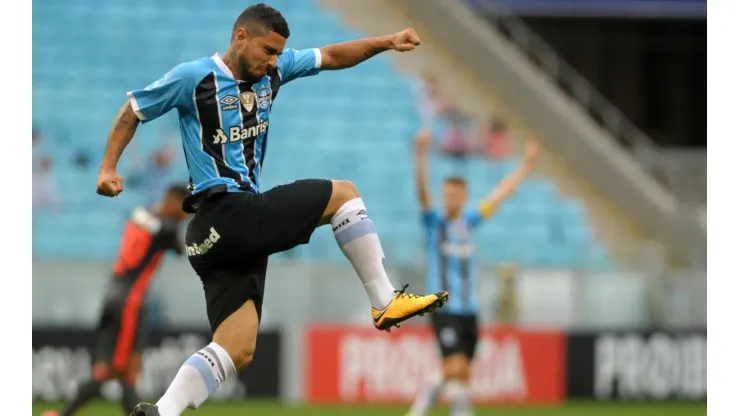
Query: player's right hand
{"x":423,"y":138}
{"x":109,"y":183}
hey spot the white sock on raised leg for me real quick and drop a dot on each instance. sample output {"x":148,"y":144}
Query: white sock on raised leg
{"x":358,"y":240}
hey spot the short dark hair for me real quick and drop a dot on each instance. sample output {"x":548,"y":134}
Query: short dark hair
{"x":178,"y":190}
{"x":261,"y":17}
{"x":456,"y":180}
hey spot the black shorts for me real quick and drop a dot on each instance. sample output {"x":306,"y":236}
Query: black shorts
{"x":456,"y":334}
{"x":232,"y":234}
{"x":122,"y":329}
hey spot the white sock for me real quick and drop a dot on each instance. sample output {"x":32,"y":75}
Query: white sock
{"x":461,"y":405}
{"x":427,"y":397}
{"x":197,"y":379}
{"x":356,"y":236}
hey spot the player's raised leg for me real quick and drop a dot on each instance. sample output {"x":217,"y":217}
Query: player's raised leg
{"x":356,"y":236}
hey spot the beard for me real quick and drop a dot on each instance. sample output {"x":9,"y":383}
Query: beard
{"x":246,"y":73}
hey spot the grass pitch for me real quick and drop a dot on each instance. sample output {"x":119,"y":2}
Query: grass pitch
{"x":267,"y":408}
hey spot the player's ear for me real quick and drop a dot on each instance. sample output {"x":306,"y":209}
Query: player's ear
{"x":240,"y":34}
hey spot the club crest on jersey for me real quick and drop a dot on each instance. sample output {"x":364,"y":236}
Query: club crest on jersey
{"x":228,"y":103}
{"x":264,"y":97}
{"x":247,"y":99}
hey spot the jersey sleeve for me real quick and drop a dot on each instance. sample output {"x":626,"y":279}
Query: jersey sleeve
{"x":297,"y":63}
{"x":474,"y":216}
{"x":429,"y":217}
{"x":173,"y":90}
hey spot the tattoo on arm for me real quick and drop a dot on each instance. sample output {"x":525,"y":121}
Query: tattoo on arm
{"x":348,"y":54}
{"x":122,"y":131}
{"x":371,"y":52}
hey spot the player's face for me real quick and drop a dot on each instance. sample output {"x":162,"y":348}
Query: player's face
{"x":454,"y":196}
{"x":259,"y":53}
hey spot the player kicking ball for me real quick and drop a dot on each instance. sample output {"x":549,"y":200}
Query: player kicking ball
{"x":224,"y":104}
{"x":450,"y":267}
{"x":122,"y":327}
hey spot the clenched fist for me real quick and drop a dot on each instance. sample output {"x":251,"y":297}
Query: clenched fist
{"x":405,"y":40}
{"x":109,"y":183}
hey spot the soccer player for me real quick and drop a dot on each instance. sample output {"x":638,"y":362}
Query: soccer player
{"x":122,"y":326}
{"x":450,"y":267}
{"x":224,"y":104}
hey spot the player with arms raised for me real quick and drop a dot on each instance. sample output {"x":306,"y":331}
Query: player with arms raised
{"x":224,"y":107}
{"x":450,"y":267}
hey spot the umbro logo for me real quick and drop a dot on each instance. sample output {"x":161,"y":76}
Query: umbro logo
{"x":362,"y":214}
{"x":340,"y":225}
{"x":229,"y":103}
{"x":351,"y":220}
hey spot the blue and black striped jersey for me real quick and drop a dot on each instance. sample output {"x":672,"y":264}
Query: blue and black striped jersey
{"x":223,"y":121}
{"x":450,"y":264}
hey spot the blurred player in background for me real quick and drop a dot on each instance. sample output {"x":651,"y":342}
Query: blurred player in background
{"x":450,"y":268}
{"x":224,"y":106}
{"x":122,"y":327}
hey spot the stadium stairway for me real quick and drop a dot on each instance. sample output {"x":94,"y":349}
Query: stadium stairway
{"x":88,"y":54}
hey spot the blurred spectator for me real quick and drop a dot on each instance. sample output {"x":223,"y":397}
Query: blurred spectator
{"x":43,"y":191}
{"x":36,"y":136}
{"x":159,"y":169}
{"x":452,"y":129}
{"x":458,"y":137}
{"x":428,"y":100}
{"x":81,"y":160}
{"x":151,"y":175}
{"x":495,"y":139}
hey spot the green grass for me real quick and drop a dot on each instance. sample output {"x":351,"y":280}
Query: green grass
{"x":260,"y":408}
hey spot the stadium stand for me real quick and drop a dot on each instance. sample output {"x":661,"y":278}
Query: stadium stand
{"x":356,"y":124}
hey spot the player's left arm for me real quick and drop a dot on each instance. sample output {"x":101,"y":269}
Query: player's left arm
{"x":348,"y":54}
{"x":297,"y":63}
{"x":510,"y":183}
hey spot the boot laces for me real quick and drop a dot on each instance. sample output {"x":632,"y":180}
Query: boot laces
{"x":403,"y":295}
